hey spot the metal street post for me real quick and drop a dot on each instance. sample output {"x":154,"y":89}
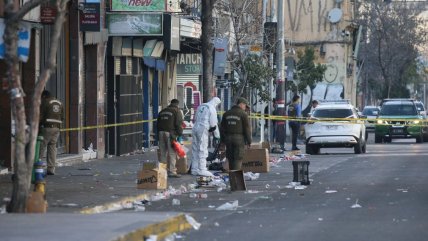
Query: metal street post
{"x":280,"y":80}
{"x":272,"y":19}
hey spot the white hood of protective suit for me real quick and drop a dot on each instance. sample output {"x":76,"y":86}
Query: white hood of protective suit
{"x":215,"y":101}
{"x":206,"y":114}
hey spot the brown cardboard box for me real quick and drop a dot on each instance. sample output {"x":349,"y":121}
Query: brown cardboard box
{"x":149,"y":164}
{"x":256,"y":160}
{"x":181,"y":165}
{"x":258,"y":145}
{"x":153,"y":179}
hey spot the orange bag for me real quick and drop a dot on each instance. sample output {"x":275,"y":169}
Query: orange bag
{"x":178,"y":149}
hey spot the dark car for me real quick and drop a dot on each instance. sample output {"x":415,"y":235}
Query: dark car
{"x":398,"y":118}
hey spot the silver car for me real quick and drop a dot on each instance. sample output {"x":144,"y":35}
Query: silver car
{"x":370,"y":112}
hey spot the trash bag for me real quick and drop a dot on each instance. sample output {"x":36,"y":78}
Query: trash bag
{"x":216,"y":166}
{"x":178,"y":149}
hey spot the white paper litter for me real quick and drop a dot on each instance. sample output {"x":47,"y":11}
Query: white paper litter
{"x":330,"y":191}
{"x":152,"y":238}
{"x":356,"y":205}
{"x":252,"y":191}
{"x":193,"y":222}
{"x":228,"y":206}
{"x":249,"y":176}
{"x":175,"y":202}
{"x":3,"y":209}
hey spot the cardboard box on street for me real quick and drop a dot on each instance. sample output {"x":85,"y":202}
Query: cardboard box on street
{"x":259,"y":145}
{"x":181,"y":165}
{"x":256,"y":160}
{"x":153,"y":178}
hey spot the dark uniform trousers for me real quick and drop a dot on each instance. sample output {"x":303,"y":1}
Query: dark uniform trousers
{"x":167,"y":153}
{"x":235,"y":150}
{"x":50,"y":137}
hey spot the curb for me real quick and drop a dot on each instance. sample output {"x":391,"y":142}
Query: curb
{"x":163,"y":229}
{"x":113,"y":206}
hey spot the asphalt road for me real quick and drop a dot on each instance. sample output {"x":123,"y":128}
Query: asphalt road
{"x":381,"y":195}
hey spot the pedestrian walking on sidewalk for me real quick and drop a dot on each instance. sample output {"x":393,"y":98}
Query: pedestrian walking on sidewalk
{"x":169,"y":124}
{"x":235,"y":133}
{"x":51,"y":116}
{"x":205,"y":123}
{"x":294,"y":112}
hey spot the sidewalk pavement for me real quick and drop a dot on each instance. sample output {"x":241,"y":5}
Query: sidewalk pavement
{"x":83,"y":196}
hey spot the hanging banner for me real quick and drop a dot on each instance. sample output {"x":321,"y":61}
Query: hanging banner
{"x":220,"y":55}
{"x":134,"y":24}
{"x":24,"y":38}
{"x":138,"y":5}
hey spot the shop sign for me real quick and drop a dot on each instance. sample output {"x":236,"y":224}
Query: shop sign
{"x":190,"y":28}
{"x":138,"y":5}
{"x":90,"y":17}
{"x":48,"y":14}
{"x":189,"y":64}
{"x":135,"y":24}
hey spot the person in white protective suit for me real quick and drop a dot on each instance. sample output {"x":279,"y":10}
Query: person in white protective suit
{"x":205,"y":122}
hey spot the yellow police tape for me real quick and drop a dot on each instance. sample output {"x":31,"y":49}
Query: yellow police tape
{"x":106,"y":125}
{"x":407,"y":122}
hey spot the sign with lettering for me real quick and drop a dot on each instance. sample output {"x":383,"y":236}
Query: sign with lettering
{"x":256,"y":160}
{"x":138,"y":5}
{"x":90,"y":17}
{"x":152,"y":179}
{"x":47,"y":14}
{"x":189,"y":64}
{"x":135,"y":24}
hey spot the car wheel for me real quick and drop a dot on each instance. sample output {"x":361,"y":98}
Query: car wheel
{"x":358,"y":148}
{"x":387,"y":139}
{"x":377,"y":139}
{"x":426,"y":138}
{"x":310,"y":149}
{"x":420,"y":138}
{"x":364,"y":147}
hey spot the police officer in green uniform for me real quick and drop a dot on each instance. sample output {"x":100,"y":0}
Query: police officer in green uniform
{"x":236,"y":133}
{"x":51,"y":115}
{"x":169,"y":124}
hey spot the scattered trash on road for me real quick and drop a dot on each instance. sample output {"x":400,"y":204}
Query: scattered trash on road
{"x":296,"y":186}
{"x":330,"y":191}
{"x":252,"y":191}
{"x":402,"y":190}
{"x":249,"y":176}
{"x":193,"y":222}
{"x":175,"y":202}
{"x":356,"y":205}
{"x":152,"y":238}
{"x":228,"y":206}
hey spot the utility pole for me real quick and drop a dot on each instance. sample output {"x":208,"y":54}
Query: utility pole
{"x":272,"y":19}
{"x":280,"y":80}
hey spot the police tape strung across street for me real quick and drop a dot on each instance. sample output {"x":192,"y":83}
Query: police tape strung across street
{"x":406,"y":122}
{"x":105,"y":126}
